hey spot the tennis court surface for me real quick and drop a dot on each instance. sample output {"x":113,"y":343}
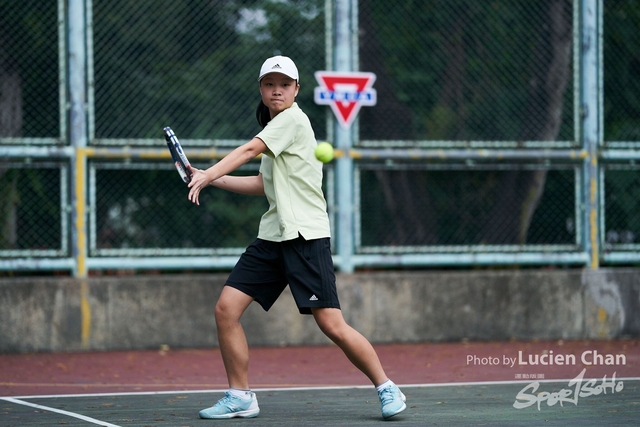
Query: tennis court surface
{"x":577,"y":383}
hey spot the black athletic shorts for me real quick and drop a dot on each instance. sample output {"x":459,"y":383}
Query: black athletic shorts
{"x":265,"y":269}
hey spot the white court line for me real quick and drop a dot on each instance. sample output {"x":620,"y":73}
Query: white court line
{"x":59,"y":411}
{"x":429,"y":385}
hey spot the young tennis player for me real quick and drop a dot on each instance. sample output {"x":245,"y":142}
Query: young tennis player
{"x":292,"y":247}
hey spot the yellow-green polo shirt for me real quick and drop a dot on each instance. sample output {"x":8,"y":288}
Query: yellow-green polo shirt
{"x":292,"y":178}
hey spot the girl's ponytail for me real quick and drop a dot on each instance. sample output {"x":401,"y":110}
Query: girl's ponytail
{"x":262,"y":114}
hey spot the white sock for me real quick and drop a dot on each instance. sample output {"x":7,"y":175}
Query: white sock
{"x":384,"y":385}
{"x":244,"y":394}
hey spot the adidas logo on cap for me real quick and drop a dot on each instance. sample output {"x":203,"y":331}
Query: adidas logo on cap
{"x":279,"y":64}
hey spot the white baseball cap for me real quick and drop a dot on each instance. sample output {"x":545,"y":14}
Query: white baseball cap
{"x":279,"y":64}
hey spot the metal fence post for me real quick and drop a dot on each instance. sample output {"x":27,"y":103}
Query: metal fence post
{"x":77,"y":60}
{"x":344,"y":53}
{"x":591,"y":132}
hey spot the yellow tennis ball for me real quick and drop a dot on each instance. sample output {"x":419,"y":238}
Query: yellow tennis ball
{"x":324,"y":152}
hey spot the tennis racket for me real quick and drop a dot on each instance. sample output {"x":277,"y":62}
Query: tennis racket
{"x":178,"y":156}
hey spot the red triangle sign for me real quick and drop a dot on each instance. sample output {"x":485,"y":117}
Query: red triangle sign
{"x":345,"y":93}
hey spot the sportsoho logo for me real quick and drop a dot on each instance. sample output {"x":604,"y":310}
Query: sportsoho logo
{"x":576,"y":389}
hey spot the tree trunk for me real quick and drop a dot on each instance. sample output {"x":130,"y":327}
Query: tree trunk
{"x":550,"y":72}
{"x":10,"y":126}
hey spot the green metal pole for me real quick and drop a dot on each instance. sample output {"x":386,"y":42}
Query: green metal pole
{"x":591,"y":132}
{"x":344,"y":52}
{"x":77,"y":60}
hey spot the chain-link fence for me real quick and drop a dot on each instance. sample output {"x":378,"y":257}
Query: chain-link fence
{"x":32,"y":73}
{"x":476,"y":144}
{"x":460,"y":71}
{"x":447,"y":207}
{"x":620,"y":177}
{"x":142,"y":209}
{"x":194,"y":65}
{"x":621,"y":228}
{"x":33,"y":217}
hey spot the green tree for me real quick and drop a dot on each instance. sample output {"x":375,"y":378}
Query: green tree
{"x":461,"y":71}
{"x":192,"y":65}
{"x":622,"y":70}
{"x":28,"y":102}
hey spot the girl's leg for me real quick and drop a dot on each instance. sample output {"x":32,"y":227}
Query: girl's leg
{"x":354,"y":345}
{"x":362,"y":354}
{"x":231,"y":337}
{"x":235,"y":355}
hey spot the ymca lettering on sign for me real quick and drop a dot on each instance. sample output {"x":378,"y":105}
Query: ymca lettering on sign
{"x":345,"y":93}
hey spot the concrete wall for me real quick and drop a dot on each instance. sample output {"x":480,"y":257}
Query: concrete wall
{"x":136,"y":312}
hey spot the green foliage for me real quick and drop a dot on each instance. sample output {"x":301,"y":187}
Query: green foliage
{"x":453,"y":206}
{"x":30,"y":208}
{"x":463,"y":56}
{"x":29,"y":45}
{"x":622,"y":192}
{"x":622,"y":70}
{"x":149,"y":209}
{"x":463,"y":70}
{"x":194,"y":65}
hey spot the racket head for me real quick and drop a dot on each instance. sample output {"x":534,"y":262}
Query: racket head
{"x":177,"y":154}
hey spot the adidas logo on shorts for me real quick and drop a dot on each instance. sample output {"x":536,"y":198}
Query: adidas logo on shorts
{"x":313,"y":298}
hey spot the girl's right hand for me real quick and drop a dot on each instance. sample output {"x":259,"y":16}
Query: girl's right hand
{"x":199,"y":180}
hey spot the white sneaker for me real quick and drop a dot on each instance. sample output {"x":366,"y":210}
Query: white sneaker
{"x":392,"y":401}
{"x":231,"y":406}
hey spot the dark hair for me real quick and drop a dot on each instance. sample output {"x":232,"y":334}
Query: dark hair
{"x":262,"y":114}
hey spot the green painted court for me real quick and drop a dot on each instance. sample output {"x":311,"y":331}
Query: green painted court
{"x":470,"y":404}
